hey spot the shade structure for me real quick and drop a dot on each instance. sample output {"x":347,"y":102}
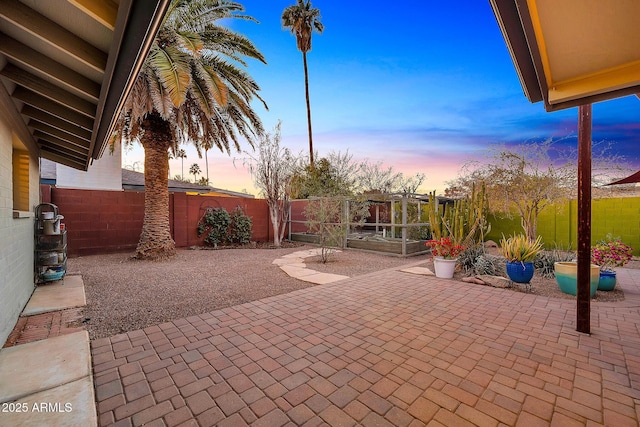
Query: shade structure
{"x":631,"y":179}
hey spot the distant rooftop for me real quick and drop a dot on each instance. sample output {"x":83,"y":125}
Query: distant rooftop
{"x":134,"y":181}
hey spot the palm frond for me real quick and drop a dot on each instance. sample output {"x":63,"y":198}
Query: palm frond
{"x":172,"y":66}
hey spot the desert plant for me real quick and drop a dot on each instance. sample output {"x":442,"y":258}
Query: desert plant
{"x":545,"y":261}
{"x":240,"y":227}
{"x":468,"y":257}
{"x":215,"y":224}
{"x":491,"y":265}
{"x":464,"y":221}
{"x":518,"y":248}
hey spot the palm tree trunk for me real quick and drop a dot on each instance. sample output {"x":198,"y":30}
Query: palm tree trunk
{"x":182,"y":171}
{"x":155,"y":239}
{"x":206,"y":163}
{"x":306,"y":90}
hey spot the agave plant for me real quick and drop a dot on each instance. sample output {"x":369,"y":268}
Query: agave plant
{"x":518,"y":248}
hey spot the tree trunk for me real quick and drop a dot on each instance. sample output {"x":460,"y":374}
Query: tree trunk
{"x":306,"y":91}
{"x":155,"y":240}
{"x":206,"y":163}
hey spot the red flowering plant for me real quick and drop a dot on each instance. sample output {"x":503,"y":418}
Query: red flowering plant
{"x":611,"y":253}
{"x":445,"y":248}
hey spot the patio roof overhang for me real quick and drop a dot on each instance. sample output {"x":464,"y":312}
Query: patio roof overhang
{"x":66,"y":67}
{"x":572,"y":52}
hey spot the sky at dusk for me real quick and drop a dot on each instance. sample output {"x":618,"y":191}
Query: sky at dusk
{"x":423,"y":88}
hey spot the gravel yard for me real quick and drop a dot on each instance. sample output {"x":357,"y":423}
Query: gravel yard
{"x":125,"y":294}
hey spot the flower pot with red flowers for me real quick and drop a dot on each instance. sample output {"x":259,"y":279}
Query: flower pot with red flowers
{"x":608,"y":254}
{"x":445,"y":256}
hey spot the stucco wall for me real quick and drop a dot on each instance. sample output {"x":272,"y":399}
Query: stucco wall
{"x":103,"y":174}
{"x":16,"y":250}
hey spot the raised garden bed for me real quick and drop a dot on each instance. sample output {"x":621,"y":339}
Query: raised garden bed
{"x":388,"y":245}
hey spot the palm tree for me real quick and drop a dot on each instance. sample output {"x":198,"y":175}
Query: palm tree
{"x":181,"y":154}
{"x":302,"y":19}
{"x":195,"y":171}
{"x":191,"y":88}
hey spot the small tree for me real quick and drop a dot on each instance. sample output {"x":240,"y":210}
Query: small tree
{"x":272,"y":169}
{"x":330,"y":219}
{"x":530,"y":177}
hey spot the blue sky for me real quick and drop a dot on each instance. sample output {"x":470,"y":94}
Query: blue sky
{"x":422,"y":88}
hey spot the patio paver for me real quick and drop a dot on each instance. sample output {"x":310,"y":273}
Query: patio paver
{"x":387,"y":348}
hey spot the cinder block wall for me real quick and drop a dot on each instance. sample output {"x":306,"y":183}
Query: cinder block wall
{"x":111,"y":221}
{"x":16,"y":250}
{"x":558,"y":224}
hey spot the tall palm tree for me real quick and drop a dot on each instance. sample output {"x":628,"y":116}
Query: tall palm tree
{"x":181,"y":154}
{"x":191,"y":89}
{"x":302,"y":19}
{"x":195,"y":171}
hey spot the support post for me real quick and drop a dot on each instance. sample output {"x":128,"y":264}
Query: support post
{"x":404,"y":225}
{"x":583,"y":310}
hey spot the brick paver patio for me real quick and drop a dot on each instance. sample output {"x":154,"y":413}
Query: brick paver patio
{"x":389,"y":348}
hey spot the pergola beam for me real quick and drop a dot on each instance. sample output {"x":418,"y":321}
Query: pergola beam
{"x":46,"y":89}
{"x":27,"y":19}
{"x":103,"y":11}
{"x":42,"y":64}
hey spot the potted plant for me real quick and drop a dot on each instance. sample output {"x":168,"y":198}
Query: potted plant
{"x":608,"y":254}
{"x":520,"y":253}
{"x":445,"y":255}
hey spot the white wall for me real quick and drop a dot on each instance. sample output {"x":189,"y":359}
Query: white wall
{"x":16,"y":249}
{"x":103,"y":174}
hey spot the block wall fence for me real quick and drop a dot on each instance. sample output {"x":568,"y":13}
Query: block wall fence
{"x":111,"y":221}
{"x":558,"y":224}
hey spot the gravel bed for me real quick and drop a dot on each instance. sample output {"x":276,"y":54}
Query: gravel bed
{"x":125,"y":294}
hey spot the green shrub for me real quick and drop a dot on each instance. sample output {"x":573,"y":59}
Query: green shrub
{"x":215,"y":224}
{"x":240,"y":227}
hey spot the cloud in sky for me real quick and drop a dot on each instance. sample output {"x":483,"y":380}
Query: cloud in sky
{"x":426,"y":93}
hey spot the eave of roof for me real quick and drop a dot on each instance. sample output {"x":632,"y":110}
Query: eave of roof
{"x":573,"y":52}
{"x":66,"y":67}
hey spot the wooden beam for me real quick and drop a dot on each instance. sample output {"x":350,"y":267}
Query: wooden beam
{"x":54,"y":121}
{"x":41,"y":136}
{"x":583,"y":310}
{"x":54,"y":157}
{"x":103,"y":11}
{"x":46,"y":89}
{"x":10,"y":113}
{"x":46,"y":105}
{"x":18,"y":14}
{"x":47,"y":66}
{"x":61,"y":151}
{"x":50,"y":130}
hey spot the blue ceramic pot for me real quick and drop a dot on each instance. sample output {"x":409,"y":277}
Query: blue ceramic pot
{"x":520,"y":272}
{"x":607,"y":281}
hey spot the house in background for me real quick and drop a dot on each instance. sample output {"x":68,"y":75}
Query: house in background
{"x":66,"y":67}
{"x":115,"y":178}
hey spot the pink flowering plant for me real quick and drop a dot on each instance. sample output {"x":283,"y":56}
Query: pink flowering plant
{"x":445,"y":248}
{"x":611,"y":253}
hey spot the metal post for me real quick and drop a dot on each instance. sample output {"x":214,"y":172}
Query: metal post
{"x":404,"y":225}
{"x":393,"y":217}
{"x":583,"y":309}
